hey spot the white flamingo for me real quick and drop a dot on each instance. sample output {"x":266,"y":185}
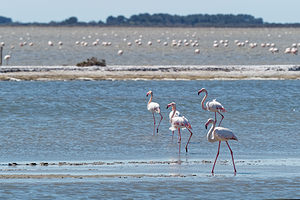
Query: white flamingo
{"x":213,"y":106}
{"x":7,"y":57}
{"x":178,"y":123}
{"x":220,"y":134}
{"x":154,"y":108}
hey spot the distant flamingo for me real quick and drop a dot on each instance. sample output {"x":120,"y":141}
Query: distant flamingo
{"x":154,"y":107}
{"x":212,"y":106}
{"x":178,"y":123}
{"x":220,"y":134}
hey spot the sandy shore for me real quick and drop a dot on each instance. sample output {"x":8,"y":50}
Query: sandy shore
{"x":15,"y":73}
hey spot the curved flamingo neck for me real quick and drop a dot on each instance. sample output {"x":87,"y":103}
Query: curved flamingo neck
{"x":210,"y":136}
{"x":204,"y":98}
{"x":150,"y":99}
{"x":174,"y":110}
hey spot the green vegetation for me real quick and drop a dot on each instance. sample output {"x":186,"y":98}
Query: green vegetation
{"x":164,"y":20}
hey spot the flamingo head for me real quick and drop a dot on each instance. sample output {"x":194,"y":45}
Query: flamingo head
{"x":202,"y":90}
{"x":150,"y":92}
{"x":173,"y":104}
{"x":210,"y":120}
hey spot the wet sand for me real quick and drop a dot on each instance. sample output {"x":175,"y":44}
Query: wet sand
{"x":40,"y":73}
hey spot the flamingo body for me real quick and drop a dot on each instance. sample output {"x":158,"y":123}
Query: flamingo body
{"x":220,"y":134}
{"x":153,"y":107}
{"x":223,"y":134}
{"x":179,"y":122}
{"x":214,"y":106}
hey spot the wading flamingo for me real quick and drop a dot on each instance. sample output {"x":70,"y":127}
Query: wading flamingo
{"x":154,"y":107}
{"x":212,"y":106}
{"x":220,"y":134}
{"x":178,"y":123}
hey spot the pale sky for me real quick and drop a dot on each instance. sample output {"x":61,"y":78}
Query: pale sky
{"x":280,"y":11}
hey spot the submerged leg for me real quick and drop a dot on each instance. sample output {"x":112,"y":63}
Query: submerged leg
{"x":179,"y":136}
{"x":161,"y":117}
{"x":188,"y":140}
{"x":212,"y":171}
{"x":231,"y":157}
{"x":153,"y":124}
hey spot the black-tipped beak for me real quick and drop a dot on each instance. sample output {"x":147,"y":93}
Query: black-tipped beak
{"x":167,"y":107}
{"x":205,"y":126}
{"x":199,"y":92}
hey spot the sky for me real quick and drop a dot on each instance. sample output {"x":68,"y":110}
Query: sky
{"x":277,"y":11}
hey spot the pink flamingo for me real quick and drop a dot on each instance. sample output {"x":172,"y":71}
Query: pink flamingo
{"x":220,"y":134}
{"x":178,"y":122}
{"x":154,"y":107}
{"x":212,"y":106}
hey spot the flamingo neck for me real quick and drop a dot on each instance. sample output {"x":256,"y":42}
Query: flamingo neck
{"x":204,"y":98}
{"x":174,"y":110}
{"x":150,"y":99}
{"x":210,"y":136}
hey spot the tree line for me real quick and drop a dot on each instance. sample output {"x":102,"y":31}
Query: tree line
{"x":164,"y":20}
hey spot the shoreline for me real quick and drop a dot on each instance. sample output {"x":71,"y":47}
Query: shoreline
{"x":185,"y":72}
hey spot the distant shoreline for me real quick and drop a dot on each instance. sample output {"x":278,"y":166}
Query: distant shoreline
{"x":185,"y":72}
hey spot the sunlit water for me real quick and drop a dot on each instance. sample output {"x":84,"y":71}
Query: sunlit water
{"x":107,"y":121}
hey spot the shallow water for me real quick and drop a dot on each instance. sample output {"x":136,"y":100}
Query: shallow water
{"x":156,"y":54}
{"x":83,"y":122}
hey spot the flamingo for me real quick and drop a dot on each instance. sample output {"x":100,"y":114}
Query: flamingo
{"x":7,"y":57}
{"x":154,"y":107}
{"x":213,"y":106}
{"x":178,"y":122}
{"x":220,"y":134}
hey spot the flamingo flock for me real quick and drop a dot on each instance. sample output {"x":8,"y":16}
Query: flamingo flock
{"x":215,"y":133}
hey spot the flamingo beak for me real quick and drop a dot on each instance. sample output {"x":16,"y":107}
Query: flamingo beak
{"x":205,"y":126}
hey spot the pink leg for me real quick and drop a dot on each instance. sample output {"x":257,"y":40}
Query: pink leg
{"x":154,"y":124}
{"x":179,"y":136}
{"x":161,"y":117}
{"x":231,"y":157}
{"x":222,"y":118}
{"x":188,"y":140}
{"x":212,"y":171}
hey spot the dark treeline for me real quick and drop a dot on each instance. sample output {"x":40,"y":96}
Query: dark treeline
{"x":164,"y":20}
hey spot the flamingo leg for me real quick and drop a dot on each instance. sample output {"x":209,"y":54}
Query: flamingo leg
{"x":215,"y":117}
{"x":188,"y":140}
{"x":212,"y":171}
{"x":153,"y":124}
{"x":179,"y":136}
{"x":161,"y":117}
{"x":221,"y":119}
{"x":231,"y":157}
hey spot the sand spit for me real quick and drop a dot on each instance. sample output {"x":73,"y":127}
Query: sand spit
{"x":186,"y":72}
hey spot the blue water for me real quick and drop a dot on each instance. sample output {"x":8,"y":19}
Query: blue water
{"x":108,"y":121}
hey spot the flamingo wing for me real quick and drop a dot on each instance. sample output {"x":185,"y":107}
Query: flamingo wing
{"x":224,"y":134}
{"x":180,"y":122}
{"x":214,"y":106}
